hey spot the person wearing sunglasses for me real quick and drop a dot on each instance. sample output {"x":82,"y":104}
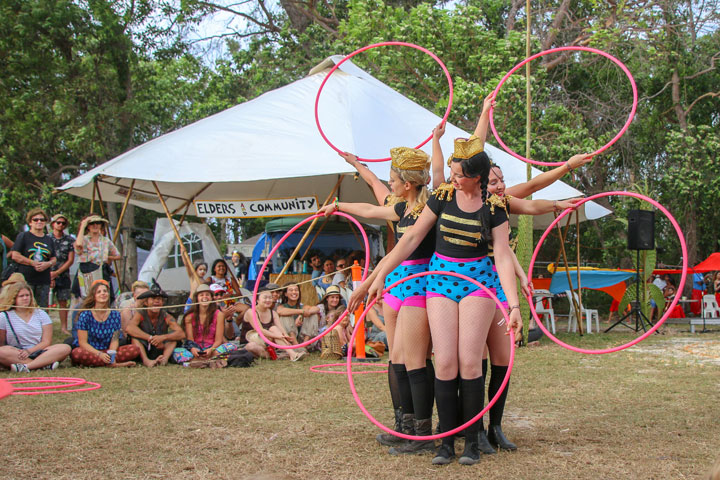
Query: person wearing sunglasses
{"x":60,"y":281}
{"x":34,"y":252}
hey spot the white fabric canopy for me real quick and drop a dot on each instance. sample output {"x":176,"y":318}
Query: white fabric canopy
{"x":270,"y":148}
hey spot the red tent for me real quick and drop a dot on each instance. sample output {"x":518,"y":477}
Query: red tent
{"x":710,"y":264}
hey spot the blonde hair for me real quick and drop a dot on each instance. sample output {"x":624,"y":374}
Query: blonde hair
{"x":138,"y":284}
{"x":419,"y":179}
{"x":9,"y":294}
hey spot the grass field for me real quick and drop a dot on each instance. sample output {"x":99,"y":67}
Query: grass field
{"x":649,"y":412}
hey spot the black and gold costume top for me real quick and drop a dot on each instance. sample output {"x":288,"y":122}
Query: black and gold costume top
{"x":458,"y":233}
{"x":427,"y":246}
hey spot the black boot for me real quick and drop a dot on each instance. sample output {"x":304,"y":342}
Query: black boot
{"x":471,"y":454}
{"x":422,"y":428}
{"x":484,"y":444}
{"x":497,"y":437}
{"x":445,"y":453}
{"x":388,"y":439}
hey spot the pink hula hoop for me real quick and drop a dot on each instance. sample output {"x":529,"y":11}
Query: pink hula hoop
{"x":562,"y":49}
{"x":477,"y":417}
{"x":51,"y":389}
{"x":5,"y":388}
{"x":317,"y":368}
{"x":375,"y":45}
{"x":642,"y":337}
{"x":256,"y":323}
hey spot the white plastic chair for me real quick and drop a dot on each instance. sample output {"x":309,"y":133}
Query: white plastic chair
{"x":587,"y":314}
{"x":710,"y":306}
{"x":545,"y":312}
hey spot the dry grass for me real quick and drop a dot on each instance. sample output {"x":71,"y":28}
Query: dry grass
{"x":634,"y":414}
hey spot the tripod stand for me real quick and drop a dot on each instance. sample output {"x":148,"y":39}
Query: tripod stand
{"x":635,"y":310}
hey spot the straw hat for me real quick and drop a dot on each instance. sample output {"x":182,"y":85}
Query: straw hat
{"x":331,"y":290}
{"x":14,"y":278}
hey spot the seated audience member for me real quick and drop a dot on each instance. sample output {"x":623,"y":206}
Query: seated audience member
{"x":276,"y":293}
{"x":316,"y":265}
{"x":154,"y":331}
{"x":204,"y":329}
{"x":26,"y":334}
{"x":341,"y":275}
{"x":330,"y":301}
{"x":300,"y":321}
{"x":716,"y":286}
{"x":98,"y":332}
{"x":268,"y":322}
{"x":220,"y":274}
{"x":231,"y":311}
{"x":333,"y":342}
{"x":326,"y":279}
{"x":376,"y":323}
{"x":128,"y":311}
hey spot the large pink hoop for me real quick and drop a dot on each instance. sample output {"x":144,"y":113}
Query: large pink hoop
{"x":562,"y":49}
{"x":477,"y":417}
{"x":5,"y":388}
{"x":317,"y":368}
{"x":683,"y":248}
{"x":375,"y":45}
{"x":51,"y":389}
{"x":256,"y":323}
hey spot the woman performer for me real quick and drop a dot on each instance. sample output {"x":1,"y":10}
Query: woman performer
{"x":406,"y":323}
{"x":497,"y":341}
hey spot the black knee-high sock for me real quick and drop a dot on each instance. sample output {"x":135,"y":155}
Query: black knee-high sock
{"x":446,"y":399}
{"x":421,"y":393}
{"x":484,"y":378}
{"x":472,"y":393}
{"x":484,"y":367}
{"x":497,"y":374}
{"x":406,"y":399}
{"x":394,"y":388}
{"x":430,"y":370}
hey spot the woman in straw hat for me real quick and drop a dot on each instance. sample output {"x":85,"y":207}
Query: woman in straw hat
{"x":93,"y":250}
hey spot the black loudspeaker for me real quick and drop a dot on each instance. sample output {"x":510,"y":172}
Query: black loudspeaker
{"x":641,"y":230}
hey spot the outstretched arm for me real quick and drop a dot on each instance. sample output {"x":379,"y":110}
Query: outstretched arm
{"x":520,"y":206}
{"x":526,"y":189}
{"x":378,"y":187}
{"x":361,"y":209}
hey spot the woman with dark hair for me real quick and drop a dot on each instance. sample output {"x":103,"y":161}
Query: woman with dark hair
{"x":26,"y":334}
{"x":204,"y":328}
{"x":98,"y":332}
{"x":270,"y":326}
{"x":467,"y":220}
{"x":220,"y":274}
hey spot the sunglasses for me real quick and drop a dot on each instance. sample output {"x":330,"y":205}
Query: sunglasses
{"x":60,"y":222}
{"x":39,"y":219}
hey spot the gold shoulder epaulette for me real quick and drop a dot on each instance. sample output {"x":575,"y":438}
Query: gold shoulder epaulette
{"x":417,"y":210}
{"x":444,"y":192}
{"x":495,"y":201}
{"x":392,"y":199}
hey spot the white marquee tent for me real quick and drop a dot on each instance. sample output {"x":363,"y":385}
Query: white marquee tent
{"x":269,"y":148}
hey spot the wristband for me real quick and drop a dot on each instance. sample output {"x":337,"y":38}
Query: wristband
{"x":337,"y":204}
{"x":513,"y":308}
{"x":569,"y":167}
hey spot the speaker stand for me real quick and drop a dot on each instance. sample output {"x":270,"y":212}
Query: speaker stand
{"x":635,"y":310}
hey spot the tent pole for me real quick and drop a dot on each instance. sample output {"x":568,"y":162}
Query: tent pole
{"x":307,"y":232}
{"x":102,"y":212}
{"x":307,"y":250}
{"x":183,"y":251}
{"x":186,"y":205}
{"x":573,"y":303}
{"x":92,"y":202}
{"x":577,"y":247}
{"x":122,"y":212}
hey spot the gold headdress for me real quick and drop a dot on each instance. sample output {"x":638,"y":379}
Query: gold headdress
{"x":466,"y":148}
{"x":406,"y":158}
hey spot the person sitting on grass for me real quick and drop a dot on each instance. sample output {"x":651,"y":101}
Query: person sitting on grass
{"x":270,"y":326}
{"x":204,"y":329}
{"x":130,"y":309}
{"x":154,"y":331}
{"x":335,"y":342}
{"x":300,"y":321}
{"x":26,"y":334}
{"x":98,"y":332}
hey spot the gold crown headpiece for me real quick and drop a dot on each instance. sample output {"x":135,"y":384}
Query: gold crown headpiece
{"x":466,"y":148}
{"x":406,"y":158}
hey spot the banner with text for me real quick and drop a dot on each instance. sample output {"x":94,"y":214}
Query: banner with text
{"x":280,"y":207}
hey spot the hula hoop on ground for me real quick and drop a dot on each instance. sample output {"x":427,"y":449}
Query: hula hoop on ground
{"x":348,"y":363}
{"x":5,"y":388}
{"x":255,"y":321}
{"x":375,"y":45}
{"x":51,"y":389}
{"x":657,"y":325}
{"x":72,"y":382}
{"x":317,"y":368}
{"x":562,"y":49}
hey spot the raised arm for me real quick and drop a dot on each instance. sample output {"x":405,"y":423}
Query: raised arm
{"x":438,"y":162}
{"x":526,"y":189}
{"x":481,"y":128}
{"x":380,"y":190}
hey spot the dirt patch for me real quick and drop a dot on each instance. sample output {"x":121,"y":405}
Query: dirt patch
{"x":694,"y":350}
